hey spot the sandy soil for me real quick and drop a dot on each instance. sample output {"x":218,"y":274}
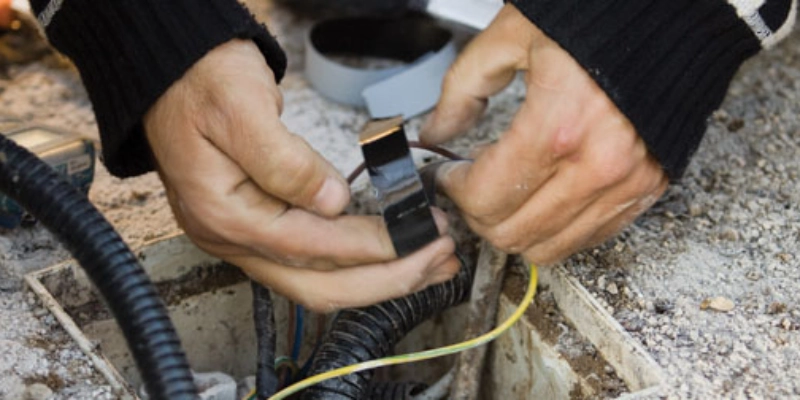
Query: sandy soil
{"x":729,"y":229}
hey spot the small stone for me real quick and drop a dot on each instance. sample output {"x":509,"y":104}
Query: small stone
{"x":729,"y":234}
{"x":38,"y":391}
{"x":786,"y":324}
{"x":626,"y":292}
{"x":752,"y":275}
{"x":612,"y":288}
{"x":735,"y":125}
{"x":663,"y":306}
{"x":140,"y":196}
{"x":721,"y":304}
{"x":695,"y":209}
{"x":777,"y":308}
{"x":215,"y":386}
{"x":601,"y":281}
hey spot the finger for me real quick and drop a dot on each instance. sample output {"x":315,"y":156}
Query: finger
{"x":551,"y":126}
{"x":486,"y":66}
{"x":602,"y":163}
{"x":629,"y":215}
{"x":549,"y":211}
{"x":345,"y":241}
{"x":285,"y":166}
{"x":501,"y":179}
{"x":247,"y":127}
{"x":606,"y":216}
{"x":250,"y":217}
{"x":576,"y":236}
{"x":359,"y":286}
{"x":290,"y":235}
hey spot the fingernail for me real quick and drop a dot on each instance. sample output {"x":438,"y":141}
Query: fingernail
{"x":445,"y":270}
{"x":332,"y":197}
{"x":444,"y":253}
{"x":440,"y":218}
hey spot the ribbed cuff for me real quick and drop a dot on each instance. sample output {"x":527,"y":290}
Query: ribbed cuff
{"x":130,"y":51}
{"x":665,"y":64}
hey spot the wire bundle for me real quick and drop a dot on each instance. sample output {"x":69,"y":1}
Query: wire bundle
{"x":422,"y":355}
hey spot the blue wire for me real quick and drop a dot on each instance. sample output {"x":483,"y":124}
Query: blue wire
{"x":306,"y":368}
{"x":298,"y":331}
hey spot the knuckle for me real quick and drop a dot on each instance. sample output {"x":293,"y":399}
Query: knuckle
{"x":505,"y":239}
{"x":481,"y":210}
{"x":452,"y":76}
{"x":609,"y":168}
{"x":296,"y":176}
{"x":545,"y":254}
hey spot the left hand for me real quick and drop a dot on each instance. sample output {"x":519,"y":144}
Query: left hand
{"x":568,"y":173}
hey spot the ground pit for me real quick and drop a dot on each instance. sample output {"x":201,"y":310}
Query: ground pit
{"x":564,"y":348}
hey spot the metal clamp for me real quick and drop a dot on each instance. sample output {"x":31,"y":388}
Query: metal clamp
{"x":398,"y":188}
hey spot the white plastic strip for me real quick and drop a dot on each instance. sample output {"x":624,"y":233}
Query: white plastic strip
{"x":476,"y":14}
{"x":407,"y":90}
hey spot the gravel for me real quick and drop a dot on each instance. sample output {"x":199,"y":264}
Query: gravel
{"x":708,"y":278}
{"x":727,"y":231}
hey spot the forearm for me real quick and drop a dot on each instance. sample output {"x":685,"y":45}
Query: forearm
{"x":665,"y":64}
{"x":129,"y":52}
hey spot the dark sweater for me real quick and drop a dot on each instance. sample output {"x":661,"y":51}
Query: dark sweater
{"x":129,"y":52}
{"x":665,"y":63}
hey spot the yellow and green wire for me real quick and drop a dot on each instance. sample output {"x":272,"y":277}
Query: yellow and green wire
{"x":418,"y":356}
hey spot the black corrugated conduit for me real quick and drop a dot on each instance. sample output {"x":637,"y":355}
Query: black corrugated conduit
{"x":111,"y":266}
{"x":395,"y":390}
{"x":264,"y":321}
{"x":361,"y":334}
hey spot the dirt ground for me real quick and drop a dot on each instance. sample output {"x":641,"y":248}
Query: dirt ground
{"x":728,"y":229}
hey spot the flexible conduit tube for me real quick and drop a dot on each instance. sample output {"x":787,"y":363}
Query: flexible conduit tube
{"x":395,"y":390}
{"x":112,"y":267}
{"x":264,"y":321}
{"x":361,"y":334}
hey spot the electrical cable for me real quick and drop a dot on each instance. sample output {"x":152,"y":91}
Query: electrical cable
{"x":286,"y":362}
{"x":413,"y":144}
{"x":264,"y":321}
{"x":298,"y":332}
{"x":109,"y":263}
{"x":422,"y":355}
{"x":403,"y":358}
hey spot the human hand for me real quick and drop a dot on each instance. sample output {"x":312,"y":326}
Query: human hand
{"x":569,"y":172}
{"x":247,"y":190}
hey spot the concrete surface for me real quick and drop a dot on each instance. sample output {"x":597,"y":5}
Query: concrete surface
{"x":728,"y":229}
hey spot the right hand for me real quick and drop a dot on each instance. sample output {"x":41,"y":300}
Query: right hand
{"x":247,"y":190}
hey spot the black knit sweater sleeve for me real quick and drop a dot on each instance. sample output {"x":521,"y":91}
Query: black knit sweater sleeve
{"x":129,"y":52}
{"x":666,"y":64}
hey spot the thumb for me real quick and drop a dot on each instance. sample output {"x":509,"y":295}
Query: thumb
{"x":487,"y":65}
{"x":246,"y":126}
{"x":451,"y":178}
{"x":285,"y":166}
